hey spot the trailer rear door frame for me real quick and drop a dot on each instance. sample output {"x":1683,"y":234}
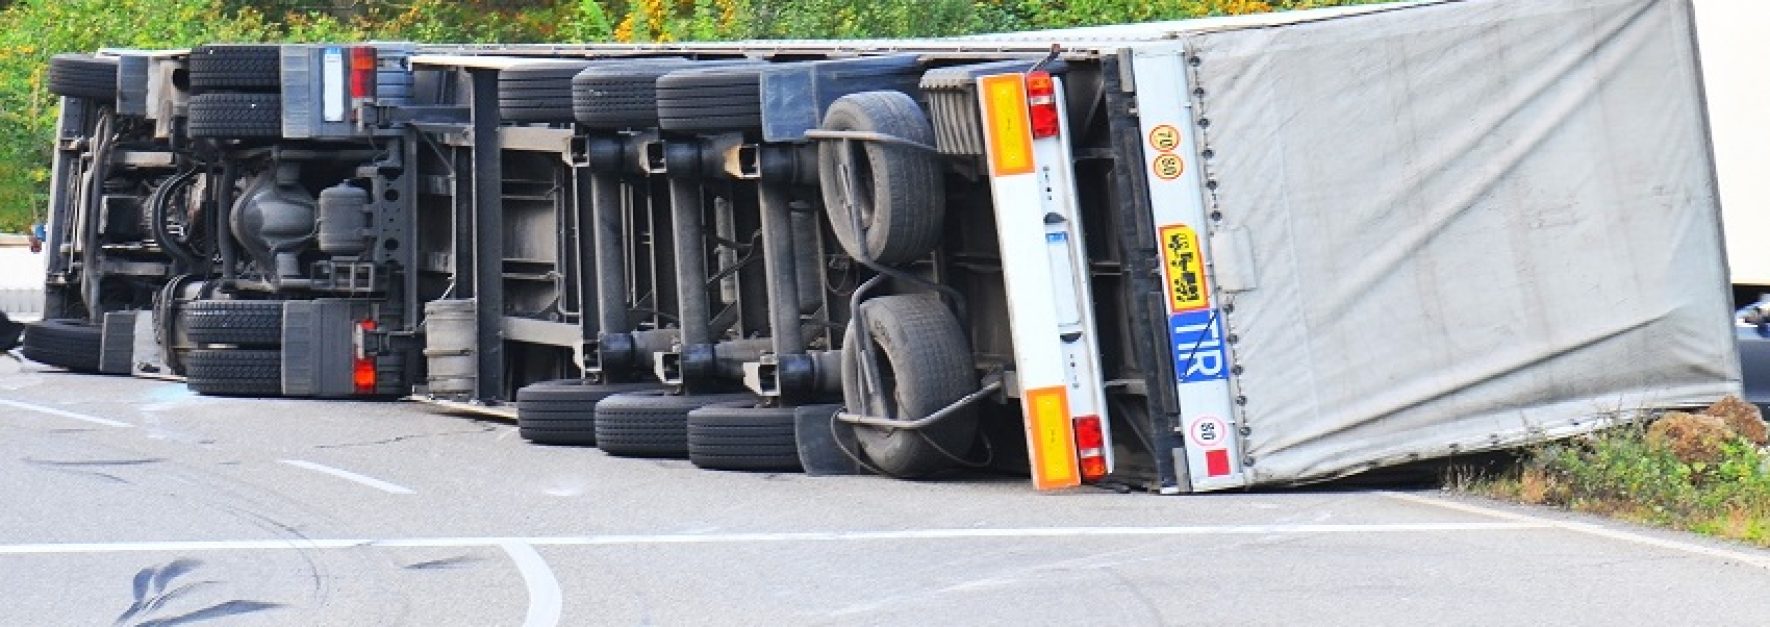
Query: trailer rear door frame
{"x":1210,"y":423}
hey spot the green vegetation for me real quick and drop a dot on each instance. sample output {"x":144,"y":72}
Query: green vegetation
{"x":1705,"y":472}
{"x":31,"y":31}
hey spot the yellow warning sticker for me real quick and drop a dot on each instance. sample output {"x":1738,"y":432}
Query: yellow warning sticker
{"x":1185,"y":265}
{"x":1168,"y":166}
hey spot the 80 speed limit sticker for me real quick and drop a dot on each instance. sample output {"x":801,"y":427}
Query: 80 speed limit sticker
{"x":1168,"y":166}
{"x":1208,"y":431}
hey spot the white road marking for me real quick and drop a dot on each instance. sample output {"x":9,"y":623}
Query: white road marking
{"x":390,"y":488}
{"x":182,"y":547}
{"x":65,"y":414}
{"x":1760,"y":560}
{"x":545,"y":599}
{"x":759,"y":537}
{"x":1024,"y":532}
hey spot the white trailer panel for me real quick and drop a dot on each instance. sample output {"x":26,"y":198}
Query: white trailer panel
{"x":1735,"y":37}
{"x":1459,"y":226}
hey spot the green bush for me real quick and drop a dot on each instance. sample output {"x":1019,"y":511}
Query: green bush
{"x":1625,"y":473}
{"x":31,"y":31}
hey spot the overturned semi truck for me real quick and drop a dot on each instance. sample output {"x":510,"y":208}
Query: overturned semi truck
{"x":1180,"y":256}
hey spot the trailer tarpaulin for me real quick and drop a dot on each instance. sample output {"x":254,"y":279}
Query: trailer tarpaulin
{"x":1461,"y":226}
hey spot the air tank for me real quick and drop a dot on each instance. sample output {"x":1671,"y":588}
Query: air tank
{"x":343,"y":219}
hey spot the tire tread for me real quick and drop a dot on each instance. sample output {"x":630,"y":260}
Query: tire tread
{"x":235,"y":372}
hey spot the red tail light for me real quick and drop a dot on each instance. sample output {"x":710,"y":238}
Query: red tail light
{"x":362,"y":372}
{"x":1090,"y":447}
{"x":1041,"y":104}
{"x":362,"y":73}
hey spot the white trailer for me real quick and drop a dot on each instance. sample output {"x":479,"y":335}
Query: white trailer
{"x":1428,"y":229}
{"x":1735,"y":38}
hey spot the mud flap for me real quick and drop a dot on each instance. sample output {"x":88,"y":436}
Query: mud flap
{"x":117,"y":342}
{"x":116,"y":353}
{"x":318,"y":353}
{"x":822,"y":441}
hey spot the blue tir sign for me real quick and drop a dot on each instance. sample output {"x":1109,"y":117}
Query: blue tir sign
{"x":1197,"y":338}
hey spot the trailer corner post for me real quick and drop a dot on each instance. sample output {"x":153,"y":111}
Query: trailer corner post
{"x":488,"y":234}
{"x":1211,"y":457}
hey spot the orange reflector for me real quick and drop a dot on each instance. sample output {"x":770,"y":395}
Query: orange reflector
{"x":1010,"y":133}
{"x":1091,"y":447}
{"x":1051,"y":438}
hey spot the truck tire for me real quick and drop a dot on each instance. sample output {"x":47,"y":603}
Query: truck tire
{"x":538,"y":92}
{"x":650,"y":424}
{"x":11,"y":333}
{"x":925,"y":364}
{"x":723,"y":98}
{"x":901,"y":196}
{"x":236,"y":116}
{"x":620,"y":97}
{"x":84,"y":76}
{"x":70,"y":344}
{"x":564,"y":412}
{"x":234,"y":372}
{"x":742,"y":436}
{"x":238,"y":322}
{"x":253,"y":68}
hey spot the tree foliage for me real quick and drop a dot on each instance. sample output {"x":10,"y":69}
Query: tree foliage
{"x":31,"y":31}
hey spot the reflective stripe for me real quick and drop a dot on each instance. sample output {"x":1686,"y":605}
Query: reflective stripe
{"x":1053,"y":439}
{"x":1010,"y":133}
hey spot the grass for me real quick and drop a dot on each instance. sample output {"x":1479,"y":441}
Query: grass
{"x":1634,"y":473}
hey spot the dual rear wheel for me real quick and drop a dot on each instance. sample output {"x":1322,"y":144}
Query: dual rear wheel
{"x":236,"y":92}
{"x":239,"y":347}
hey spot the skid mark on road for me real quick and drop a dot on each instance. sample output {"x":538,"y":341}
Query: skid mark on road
{"x":1760,"y":560}
{"x":90,"y":468}
{"x":765,"y":537}
{"x":458,"y":561}
{"x":390,"y":488}
{"x":41,"y":409}
{"x":410,"y":436}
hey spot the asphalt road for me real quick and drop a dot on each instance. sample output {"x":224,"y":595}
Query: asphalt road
{"x":132,"y":502}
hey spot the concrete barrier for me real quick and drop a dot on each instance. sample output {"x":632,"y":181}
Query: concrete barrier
{"x":22,"y":303}
{"x":21,"y":279}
